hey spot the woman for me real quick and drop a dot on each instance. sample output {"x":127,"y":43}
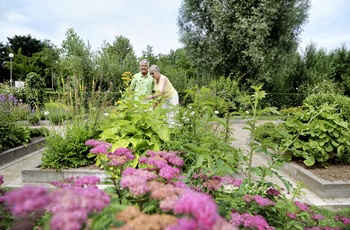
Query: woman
{"x":164,"y":89}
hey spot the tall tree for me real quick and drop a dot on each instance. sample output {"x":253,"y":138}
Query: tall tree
{"x":77,"y":59}
{"x":251,"y":38}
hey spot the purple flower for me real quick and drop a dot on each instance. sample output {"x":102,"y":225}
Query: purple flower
{"x":263,"y":201}
{"x":292,"y":215}
{"x":70,"y":207}
{"x":123,"y":152}
{"x":87,"y":180}
{"x":230,"y":180}
{"x":169,"y":172}
{"x":26,"y":200}
{"x":136,"y":184}
{"x":192,"y":203}
{"x":116,"y":160}
{"x":317,"y":217}
{"x":140,"y":173}
{"x":302,"y":207}
{"x":102,"y":148}
{"x":172,"y":158}
{"x":255,"y":222}
{"x":95,"y":143}
{"x":184,"y":223}
{"x":273,"y":192}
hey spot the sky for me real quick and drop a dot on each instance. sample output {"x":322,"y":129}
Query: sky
{"x":147,"y":22}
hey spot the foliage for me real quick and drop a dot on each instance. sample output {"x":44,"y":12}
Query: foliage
{"x":203,"y":136}
{"x":340,"y":103}
{"x":57,"y":112}
{"x":318,"y":135}
{"x":255,"y":36}
{"x":12,"y":132}
{"x":35,"y":85}
{"x":66,"y":148}
{"x":134,"y":124}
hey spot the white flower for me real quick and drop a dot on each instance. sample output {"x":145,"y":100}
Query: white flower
{"x":105,"y":114}
{"x":46,"y":113}
{"x":247,"y":112}
{"x":216,"y":112}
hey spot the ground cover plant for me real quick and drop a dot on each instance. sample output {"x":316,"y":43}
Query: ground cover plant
{"x":161,"y":194}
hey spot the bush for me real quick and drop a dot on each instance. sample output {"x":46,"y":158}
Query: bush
{"x":12,"y":132}
{"x":340,"y":103}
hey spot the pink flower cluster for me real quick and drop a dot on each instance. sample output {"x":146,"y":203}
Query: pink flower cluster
{"x":249,"y":221}
{"x":136,"y":180}
{"x":98,"y":146}
{"x":165,"y":163}
{"x":70,"y":205}
{"x":216,"y":182}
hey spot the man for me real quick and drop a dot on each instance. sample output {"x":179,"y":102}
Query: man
{"x":142,"y":83}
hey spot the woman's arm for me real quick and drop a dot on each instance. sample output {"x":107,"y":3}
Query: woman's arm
{"x":162,"y":83}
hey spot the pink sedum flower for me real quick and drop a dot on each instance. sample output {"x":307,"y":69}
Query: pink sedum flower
{"x":27,"y":200}
{"x":263,"y":201}
{"x":193,"y":203}
{"x":136,"y":184}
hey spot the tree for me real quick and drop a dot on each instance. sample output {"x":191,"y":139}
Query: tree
{"x":115,"y":59}
{"x":251,"y":38}
{"x":76,"y":59}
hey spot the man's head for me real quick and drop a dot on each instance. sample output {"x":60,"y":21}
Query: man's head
{"x":144,"y":64}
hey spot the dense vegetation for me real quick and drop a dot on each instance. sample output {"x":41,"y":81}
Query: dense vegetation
{"x":246,"y":65}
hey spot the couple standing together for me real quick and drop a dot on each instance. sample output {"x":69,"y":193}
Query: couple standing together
{"x":150,"y":79}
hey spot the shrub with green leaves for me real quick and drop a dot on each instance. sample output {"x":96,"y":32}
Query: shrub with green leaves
{"x":134,"y":124}
{"x":340,"y":103}
{"x":68,"y":150}
{"x":12,"y":132}
{"x":318,"y":135}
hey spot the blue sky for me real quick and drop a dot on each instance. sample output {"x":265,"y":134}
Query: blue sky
{"x":147,"y":22}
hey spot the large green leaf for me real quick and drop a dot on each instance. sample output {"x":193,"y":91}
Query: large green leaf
{"x":309,"y":161}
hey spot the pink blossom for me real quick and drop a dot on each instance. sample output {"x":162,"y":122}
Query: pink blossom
{"x":124,"y":152}
{"x":169,"y":172}
{"x":317,"y":217}
{"x":184,"y":223}
{"x":95,"y":143}
{"x":192,"y":203}
{"x":136,"y":184}
{"x":230,"y":180}
{"x":256,"y":221}
{"x":292,"y":215}
{"x":100,"y":149}
{"x":26,"y":200}
{"x":140,"y":173}
{"x":87,"y":180}
{"x":302,"y":207}
{"x":273,"y":192}
{"x":263,"y":201}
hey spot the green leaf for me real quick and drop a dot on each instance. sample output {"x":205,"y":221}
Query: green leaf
{"x":309,"y":161}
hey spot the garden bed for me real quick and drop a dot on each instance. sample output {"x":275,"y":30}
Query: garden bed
{"x":20,"y":151}
{"x":330,"y":187}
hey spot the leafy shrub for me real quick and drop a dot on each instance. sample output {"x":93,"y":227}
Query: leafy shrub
{"x":318,"y":135}
{"x":340,"y":103}
{"x":33,"y":118}
{"x":35,"y":94}
{"x":68,"y":150}
{"x":57,"y":112}
{"x":290,"y":111}
{"x":270,"y":134}
{"x":12,"y":132}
